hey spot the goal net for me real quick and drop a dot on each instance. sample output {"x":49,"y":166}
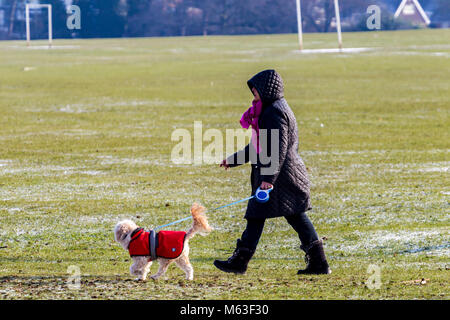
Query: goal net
{"x":27,"y":20}
{"x":299,"y":24}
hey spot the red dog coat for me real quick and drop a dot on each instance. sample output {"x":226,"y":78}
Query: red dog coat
{"x":169,"y":244}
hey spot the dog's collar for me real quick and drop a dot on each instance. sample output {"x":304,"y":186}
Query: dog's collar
{"x":134,"y":235}
{"x":136,"y":232}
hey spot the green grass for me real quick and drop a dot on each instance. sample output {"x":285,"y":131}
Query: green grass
{"x":85,"y":140}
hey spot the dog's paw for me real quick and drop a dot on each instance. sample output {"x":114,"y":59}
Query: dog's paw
{"x":154,"y":277}
{"x":139,"y":279}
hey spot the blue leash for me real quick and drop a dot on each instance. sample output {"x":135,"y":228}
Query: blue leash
{"x":260,"y":195}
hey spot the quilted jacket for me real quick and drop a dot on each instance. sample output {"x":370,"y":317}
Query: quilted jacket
{"x":288,"y":175}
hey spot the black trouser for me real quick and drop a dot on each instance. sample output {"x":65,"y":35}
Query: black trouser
{"x":300,"y":222}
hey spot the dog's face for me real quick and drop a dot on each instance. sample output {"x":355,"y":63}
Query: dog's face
{"x":122,"y":232}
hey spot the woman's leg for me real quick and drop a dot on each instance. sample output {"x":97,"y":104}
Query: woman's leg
{"x":304,"y":227}
{"x":315,"y":255}
{"x":245,"y":248}
{"x":252,"y":233}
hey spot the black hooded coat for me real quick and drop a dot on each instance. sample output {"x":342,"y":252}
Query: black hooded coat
{"x":285,"y":169}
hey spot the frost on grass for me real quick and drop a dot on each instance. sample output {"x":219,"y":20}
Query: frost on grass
{"x":70,"y":191}
{"x":48,"y":170}
{"x":102,"y":105}
{"x":108,"y":160}
{"x":370,"y":243}
{"x":5,"y":162}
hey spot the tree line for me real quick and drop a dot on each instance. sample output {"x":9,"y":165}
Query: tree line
{"x":145,"y":18}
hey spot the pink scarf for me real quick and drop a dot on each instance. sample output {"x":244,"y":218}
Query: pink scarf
{"x":250,"y":118}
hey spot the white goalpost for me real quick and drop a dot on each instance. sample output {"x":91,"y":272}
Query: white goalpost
{"x":299,"y":24}
{"x":27,"y":20}
{"x":338,"y":23}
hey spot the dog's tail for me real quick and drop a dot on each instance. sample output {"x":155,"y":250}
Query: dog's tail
{"x":200,"y":221}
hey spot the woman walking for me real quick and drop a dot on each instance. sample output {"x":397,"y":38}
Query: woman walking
{"x":274,"y":138}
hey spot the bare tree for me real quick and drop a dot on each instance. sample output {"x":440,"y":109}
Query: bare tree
{"x":12,"y":18}
{"x":318,"y":14}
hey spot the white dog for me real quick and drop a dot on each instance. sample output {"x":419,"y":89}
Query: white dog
{"x":165,"y":246}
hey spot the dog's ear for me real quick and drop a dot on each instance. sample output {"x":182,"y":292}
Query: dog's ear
{"x":117,"y":233}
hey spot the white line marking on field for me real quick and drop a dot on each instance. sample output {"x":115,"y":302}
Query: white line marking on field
{"x":334,"y":50}
{"x":46,"y":47}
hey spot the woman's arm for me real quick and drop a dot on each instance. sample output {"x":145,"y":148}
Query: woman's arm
{"x":238,"y":158}
{"x":275,"y":121}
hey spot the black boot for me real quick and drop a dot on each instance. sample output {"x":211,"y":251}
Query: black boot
{"x":315,"y":259}
{"x":238,"y":262}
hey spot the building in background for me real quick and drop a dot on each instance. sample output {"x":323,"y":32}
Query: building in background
{"x":412,"y":11}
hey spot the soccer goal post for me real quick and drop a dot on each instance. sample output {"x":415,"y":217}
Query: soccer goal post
{"x":338,"y":23}
{"x":27,"y":20}
{"x":299,"y":24}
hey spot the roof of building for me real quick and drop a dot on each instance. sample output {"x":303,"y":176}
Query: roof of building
{"x":404,"y":10}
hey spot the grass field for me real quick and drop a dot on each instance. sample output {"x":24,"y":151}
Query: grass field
{"x":85,"y":140}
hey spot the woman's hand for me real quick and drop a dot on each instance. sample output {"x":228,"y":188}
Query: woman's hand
{"x":266,"y":186}
{"x":224,"y":164}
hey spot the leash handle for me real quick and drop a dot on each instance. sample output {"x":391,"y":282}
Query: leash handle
{"x":262,"y":195}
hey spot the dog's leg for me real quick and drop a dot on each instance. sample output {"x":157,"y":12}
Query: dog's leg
{"x":146,"y":270}
{"x":185,"y":265}
{"x":140,"y":267}
{"x":163,"y":265}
